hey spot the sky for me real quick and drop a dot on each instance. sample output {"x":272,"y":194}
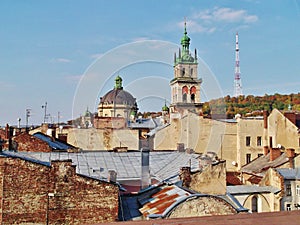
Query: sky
{"x":67,"y":53}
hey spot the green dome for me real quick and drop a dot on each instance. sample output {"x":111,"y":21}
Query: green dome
{"x":87,"y":113}
{"x":118,"y":82}
{"x":165,"y":108}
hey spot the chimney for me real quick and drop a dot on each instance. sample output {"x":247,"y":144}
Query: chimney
{"x":266,"y":150}
{"x":180,"y":147}
{"x":112,"y":176}
{"x":145,"y":173}
{"x":290,"y":152}
{"x":185,"y":176}
{"x":7,"y":131}
{"x":274,"y":153}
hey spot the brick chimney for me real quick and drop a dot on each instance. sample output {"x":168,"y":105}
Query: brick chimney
{"x":7,"y":131}
{"x":266,"y":150}
{"x":185,"y":176}
{"x":290,"y":152}
{"x":274,"y":153}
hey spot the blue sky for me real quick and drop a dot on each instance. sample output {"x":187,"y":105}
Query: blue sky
{"x":48,"y":49}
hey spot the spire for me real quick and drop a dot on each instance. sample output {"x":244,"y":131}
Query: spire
{"x":118,"y":82}
{"x":185,"y":41}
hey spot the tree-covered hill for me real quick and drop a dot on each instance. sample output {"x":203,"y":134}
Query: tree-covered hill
{"x":251,"y":105}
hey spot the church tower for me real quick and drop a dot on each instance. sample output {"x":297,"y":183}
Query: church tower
{"x":185,"y":86}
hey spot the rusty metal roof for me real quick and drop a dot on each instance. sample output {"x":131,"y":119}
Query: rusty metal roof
{"x":167,"y":197}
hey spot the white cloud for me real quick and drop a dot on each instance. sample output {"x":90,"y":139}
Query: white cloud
{"x":208,"y":20}
{"x":195,"y":27}
{"x":61,"y":60}
{"x":226,"y":15}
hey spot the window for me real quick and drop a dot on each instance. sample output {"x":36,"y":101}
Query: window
{"x":254,"y":204}
{"x":259,"y":155}
{"x":298,"y":189}
{"x":258,"y":142}
{"x":183,"y":71}
{"x":270,"y":142}
{"x":192,"y":98}
{"x":248,"y":139}
{"x":184,"y":97}
{"x":191,"y":72}
{"x":248,"y":158}
{"x":288,"y":190}
{"x":288,"y":207}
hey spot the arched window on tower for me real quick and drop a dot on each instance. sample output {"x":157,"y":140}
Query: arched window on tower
{"x":254,"y":204}
{"x":193,"y":94}
{"x":191,"y":73}
{"x":184,"y":94}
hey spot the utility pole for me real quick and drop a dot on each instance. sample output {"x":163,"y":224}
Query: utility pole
{"x":45,"y":112}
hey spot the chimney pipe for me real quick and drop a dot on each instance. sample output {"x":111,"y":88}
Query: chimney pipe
{"x":145,"y":172}
{"x":290,"y":152}
{"x":112,"y":176}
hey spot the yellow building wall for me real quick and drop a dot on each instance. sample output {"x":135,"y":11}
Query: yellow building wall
{"x":282,"y":131}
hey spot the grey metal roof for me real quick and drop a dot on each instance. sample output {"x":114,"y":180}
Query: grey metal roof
{"x":164,"y":165}
{"x":289,"y":174}
{"x":146,"y":123}
{"x":251,"y":189}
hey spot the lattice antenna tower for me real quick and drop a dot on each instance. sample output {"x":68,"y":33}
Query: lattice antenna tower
{"x":237,"y":72}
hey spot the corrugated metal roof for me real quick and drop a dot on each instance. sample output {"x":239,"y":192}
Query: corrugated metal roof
{"x":289,"y":174}
{"x":24,"y":157}
{"x":167,"y":196}
{"x":251,"y":189}
{"x":163,"y":165}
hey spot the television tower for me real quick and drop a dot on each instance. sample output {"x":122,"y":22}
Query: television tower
{"x":237,"y":72}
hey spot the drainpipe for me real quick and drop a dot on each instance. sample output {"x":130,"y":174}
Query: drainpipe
{"x":265,"y":133}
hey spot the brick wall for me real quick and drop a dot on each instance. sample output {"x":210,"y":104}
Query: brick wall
{"x":39,"y":194}
{"x":29,"y":143}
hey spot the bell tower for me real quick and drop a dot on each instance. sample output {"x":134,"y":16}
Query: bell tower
{"x":185,"y":86}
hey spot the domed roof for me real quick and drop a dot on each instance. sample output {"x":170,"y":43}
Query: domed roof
{"x":87,"y":113}
{"x":118,"y":95}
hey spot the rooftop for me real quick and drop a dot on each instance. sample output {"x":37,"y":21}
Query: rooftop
{"x":164,"y":166}
{"x":251,"y":189}
{"x":289,"y":174}
{"x":261,"y":164}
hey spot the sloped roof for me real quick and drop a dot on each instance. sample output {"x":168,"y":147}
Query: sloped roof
{"x":261,"y":164}
{"x":160,"y":201}
{"x":54,"y":143}
{"x":163,"y":165}
{"x":289,"y":174}
{"x":251,"y":189}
